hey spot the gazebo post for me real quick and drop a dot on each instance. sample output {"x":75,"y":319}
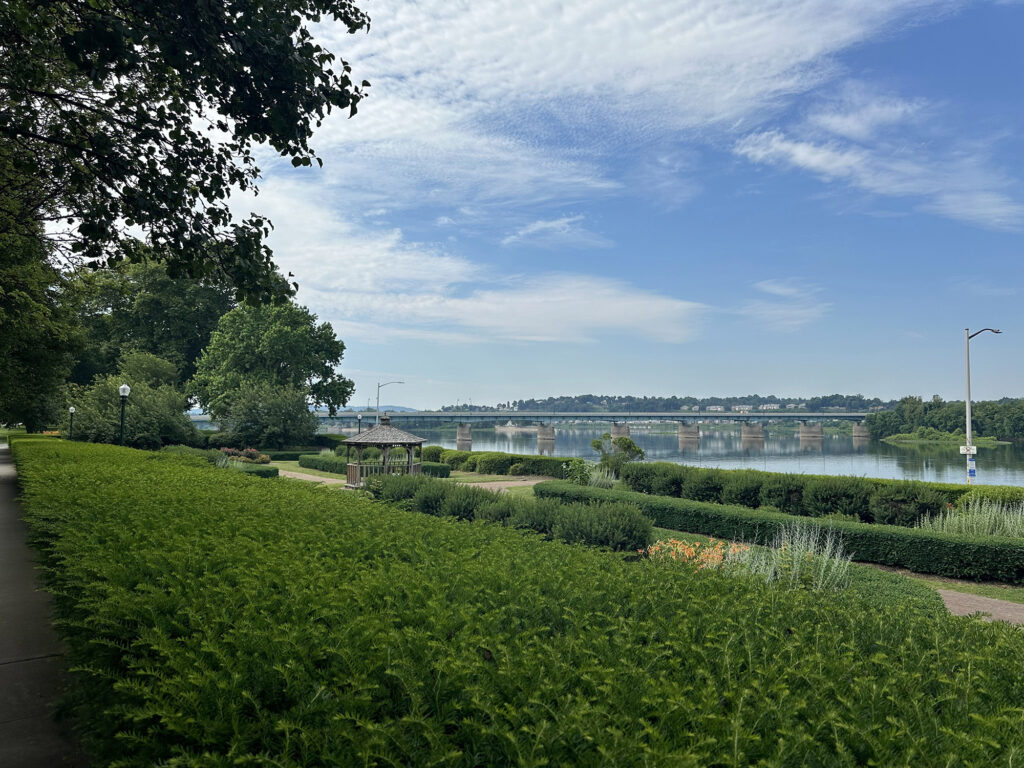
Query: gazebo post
{"x":409,"y":450}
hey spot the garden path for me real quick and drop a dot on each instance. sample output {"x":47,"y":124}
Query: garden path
{"x":30,"y":652}
{"x":961,"y":604}
{"x":313,"y":478}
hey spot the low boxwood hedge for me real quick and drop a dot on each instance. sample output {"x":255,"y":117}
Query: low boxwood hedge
{"x":898,"y":502}
{"x":497,"y":463}
{"x":436,"y":469}
{"x":617,"y":526}
{"x":961,"y":557}
{"x":325,"y":463}
{"x":290,"y":455}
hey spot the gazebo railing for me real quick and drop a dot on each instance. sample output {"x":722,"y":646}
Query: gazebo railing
{"x":357,"y":473}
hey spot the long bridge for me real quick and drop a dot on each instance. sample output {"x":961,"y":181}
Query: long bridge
{"x":404,"y":419}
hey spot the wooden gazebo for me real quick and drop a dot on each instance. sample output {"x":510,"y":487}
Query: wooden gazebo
{"x":385,"y":437}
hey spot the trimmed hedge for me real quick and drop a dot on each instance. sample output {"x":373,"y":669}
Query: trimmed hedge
{"x":497,"y":463}
{"x":259,"y":470}
{"x":290,"y":455}
{"x":900,"y":502}
{"x":961,"y":557}
{"x":213,"y":620}
{"x":432,"y":453}
{"x":620,"y":527}
{"x":325,"y":463}
{"x":436,"y":469}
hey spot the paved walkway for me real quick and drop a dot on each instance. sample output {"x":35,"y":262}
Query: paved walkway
{"x":313,"y":478}
{"x":961,"y":604}
{"x":30,"y":663}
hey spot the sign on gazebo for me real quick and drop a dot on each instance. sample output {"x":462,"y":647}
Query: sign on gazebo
{"x":385,"y":437}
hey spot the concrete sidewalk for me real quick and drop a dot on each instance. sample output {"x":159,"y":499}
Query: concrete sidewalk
{"x":30,"y":653}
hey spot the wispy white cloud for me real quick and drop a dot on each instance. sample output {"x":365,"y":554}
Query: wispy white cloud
{"x":793,"y":305}
{"x":553,"y":308}
{"x":958,"y":184}
{"x":490,"y":102}
{"x":565,"y":232}
{"x":374,"y":285}
{"x":859,"y":111}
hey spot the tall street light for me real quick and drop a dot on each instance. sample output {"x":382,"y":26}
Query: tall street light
{"x":71,"y":425}
{"x":359,"y":420}
{"x":379,"y":385}
{"x":969,"y":449}
{"x":124,"y":390}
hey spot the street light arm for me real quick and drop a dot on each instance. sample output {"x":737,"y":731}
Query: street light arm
{"x":982,"y":331}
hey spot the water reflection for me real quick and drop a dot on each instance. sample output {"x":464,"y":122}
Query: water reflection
{"x":776,"y":452}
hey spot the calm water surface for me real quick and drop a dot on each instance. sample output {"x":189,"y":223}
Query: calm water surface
{"x":832,"y":455}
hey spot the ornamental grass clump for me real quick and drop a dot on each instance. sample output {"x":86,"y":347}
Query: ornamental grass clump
{"x":979,"y":517}
{"x":799,"y":557}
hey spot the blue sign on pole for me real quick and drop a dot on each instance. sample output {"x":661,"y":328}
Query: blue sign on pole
{"x":972,"y":473}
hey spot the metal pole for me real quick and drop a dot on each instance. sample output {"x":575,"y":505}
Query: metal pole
{"x":124,"y":399}
{"x":967,"y":359}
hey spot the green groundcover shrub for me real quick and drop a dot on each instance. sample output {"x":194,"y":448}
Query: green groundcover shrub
{"x":619,"y":527}
{"x":943,"y":554}
{"x":211,"y":619}
{"x":891,"y":502}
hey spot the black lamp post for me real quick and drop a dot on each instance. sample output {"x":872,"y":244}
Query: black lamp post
{"x":359,"y":420}
{"x":124,"y":390}
{"x":71,"y":425}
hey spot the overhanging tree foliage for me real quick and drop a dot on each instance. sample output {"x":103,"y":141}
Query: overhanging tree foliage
{"x":144,"y":113}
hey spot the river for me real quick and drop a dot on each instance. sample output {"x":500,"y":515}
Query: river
{"x":831,"y":455}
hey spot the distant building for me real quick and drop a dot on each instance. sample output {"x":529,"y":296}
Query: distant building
{"x":743,"y":408}
{"x":790,"y":405}
{"x":716,"y":408}
{"x":769,"y":406}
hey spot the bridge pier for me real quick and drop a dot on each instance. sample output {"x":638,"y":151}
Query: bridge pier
{"x":545,"y":439}
{"x":464,"y":437}
{"x":620,"y":429}
{"x":860,"y":431}
{"x":811,"y":431}
{"x":751,"y":430}
{"x":688,"y":431}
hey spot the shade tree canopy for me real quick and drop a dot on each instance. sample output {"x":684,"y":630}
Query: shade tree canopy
{"x":140,"y":307}
{"x":277,"y":345}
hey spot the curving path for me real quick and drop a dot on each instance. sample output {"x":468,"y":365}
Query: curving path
{"x":961,"y":604}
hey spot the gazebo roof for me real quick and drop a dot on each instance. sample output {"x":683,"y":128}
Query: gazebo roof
{"x":385,"y":434}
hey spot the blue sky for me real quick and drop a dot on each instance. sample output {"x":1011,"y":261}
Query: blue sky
{"x":691,"y":198}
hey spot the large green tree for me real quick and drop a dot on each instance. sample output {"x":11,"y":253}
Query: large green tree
{"x":140,"y":307}
{"x":144,"y":113}
{"x":279,"y":345}
{"x":37,"y":332}
{"x":154,"y":411}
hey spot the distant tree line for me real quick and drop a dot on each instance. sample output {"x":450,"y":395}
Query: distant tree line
{"x":626,"y":403}
{"x":1002,"y":419}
